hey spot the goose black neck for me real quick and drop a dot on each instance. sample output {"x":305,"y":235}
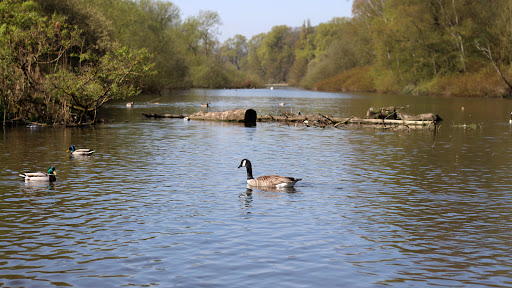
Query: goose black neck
{"x":249,"y":170}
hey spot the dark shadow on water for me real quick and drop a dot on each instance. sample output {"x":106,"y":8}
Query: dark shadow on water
{"x":250,"y":190}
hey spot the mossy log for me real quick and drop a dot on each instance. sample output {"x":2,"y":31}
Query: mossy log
{"x":248,"y":116}
{"x":238,"y":115}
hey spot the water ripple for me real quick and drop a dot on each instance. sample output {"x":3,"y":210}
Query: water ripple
{"x":162,"y":203}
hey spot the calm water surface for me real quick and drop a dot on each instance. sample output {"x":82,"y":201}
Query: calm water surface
{"x":161,"y":202}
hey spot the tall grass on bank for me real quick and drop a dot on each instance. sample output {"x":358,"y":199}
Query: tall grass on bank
{"x":358,"y":79}
{"x":483,"y":83}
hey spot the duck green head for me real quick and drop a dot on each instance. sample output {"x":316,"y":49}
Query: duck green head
{"x":71,"y":148}
{"x":51,"y":170}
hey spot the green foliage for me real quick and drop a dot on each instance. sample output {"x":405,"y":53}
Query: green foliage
{"x":50,"y":76}
{"x":112,"y":77}
{"x":277,"y":54}
{"x":209,"y":75}
{"x":421,"y":47}
{"x":60,"y":60}
{"x":235,"y":50}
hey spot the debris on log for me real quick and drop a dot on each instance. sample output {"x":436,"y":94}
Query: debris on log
{"x":387,"y":117}
{"x":383,"y":113}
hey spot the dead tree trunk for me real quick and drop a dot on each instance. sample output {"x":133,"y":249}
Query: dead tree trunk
{"x":488,"y":53}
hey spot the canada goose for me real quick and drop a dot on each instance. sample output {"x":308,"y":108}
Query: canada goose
{"x":129,"y":104}
{"x":206,"y":105}
{"x":269,"y":180}
{"x":81,"y":152}
{"x":40,"y":176}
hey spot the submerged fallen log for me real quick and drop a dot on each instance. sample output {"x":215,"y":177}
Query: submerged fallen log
{"x":154,"y":115}
{"x":250,"y":117}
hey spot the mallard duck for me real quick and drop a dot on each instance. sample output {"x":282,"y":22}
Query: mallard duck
{"x":269,"y":180}
{"x":40,"y":176}
{"x":83,"y":152}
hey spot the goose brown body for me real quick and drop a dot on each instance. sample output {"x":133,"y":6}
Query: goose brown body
{"x":268,"y":180}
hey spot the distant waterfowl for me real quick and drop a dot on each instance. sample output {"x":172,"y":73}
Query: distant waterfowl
{"x":510,"y":121}
{"x":271,"y":88}
{"x":186,"y":119}
{"x":81,"y":152}
{"x":269,"y":180}
{"x":40,"y":176}
{"x":205,"y":105}
{"x":129,"y":104}
{"x":33,"y":126}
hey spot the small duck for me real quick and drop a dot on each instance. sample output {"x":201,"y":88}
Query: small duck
{"x":282,"y":104}
{"x":82,"y":152}
{"x":40,"y":176}
{"x":206,"y":105}
{"x":269,"y":180}
{"x":129,"y":104}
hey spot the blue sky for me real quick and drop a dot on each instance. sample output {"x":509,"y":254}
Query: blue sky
{"x":251,"y":17}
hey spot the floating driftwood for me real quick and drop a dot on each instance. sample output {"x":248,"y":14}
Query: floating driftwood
{"x":154,"y":115}
{"x":249,"y":116}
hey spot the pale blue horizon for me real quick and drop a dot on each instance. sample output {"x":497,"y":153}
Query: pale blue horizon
{"x":249,"y":19}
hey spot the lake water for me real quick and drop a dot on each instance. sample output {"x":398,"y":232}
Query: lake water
{"x":161,"y":202}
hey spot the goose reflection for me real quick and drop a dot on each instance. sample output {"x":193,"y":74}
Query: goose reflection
{"x":270,"y":189}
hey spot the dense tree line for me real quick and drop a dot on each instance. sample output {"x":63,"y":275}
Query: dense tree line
{"x":452,"y":47}
{"x":60,"y":60}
